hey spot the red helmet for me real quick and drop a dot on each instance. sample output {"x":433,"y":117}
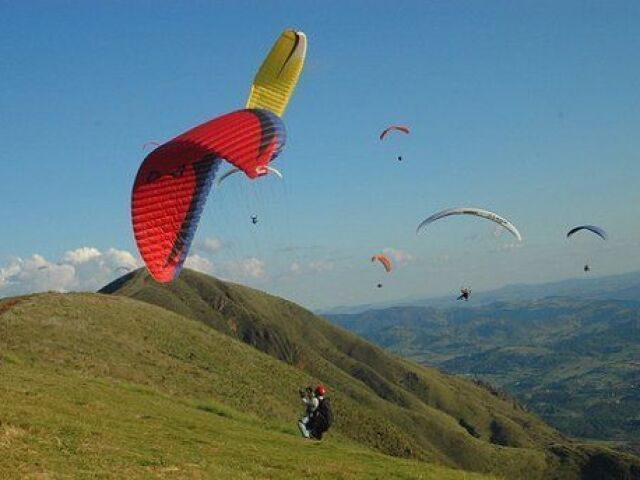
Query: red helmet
{"x":320,"y":391}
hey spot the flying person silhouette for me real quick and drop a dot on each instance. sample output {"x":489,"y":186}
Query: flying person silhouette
{"x":465,"y":293}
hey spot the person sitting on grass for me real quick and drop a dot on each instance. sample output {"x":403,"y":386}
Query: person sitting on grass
{"x":318,"y":414}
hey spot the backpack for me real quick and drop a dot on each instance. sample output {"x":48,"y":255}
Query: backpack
{"x":323,"y":418}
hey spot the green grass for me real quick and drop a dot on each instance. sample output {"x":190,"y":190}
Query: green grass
{"x":99,"y":377}
{"x":104,"y":387}
{"x":57,"y":423}
{"x":386,"y":403}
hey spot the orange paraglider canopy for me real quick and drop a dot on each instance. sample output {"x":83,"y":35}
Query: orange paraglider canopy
{"x":400,"y":128}
{"x":384,"y":260}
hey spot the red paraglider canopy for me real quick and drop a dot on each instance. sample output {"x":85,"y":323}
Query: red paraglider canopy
{"x":174,"y":180}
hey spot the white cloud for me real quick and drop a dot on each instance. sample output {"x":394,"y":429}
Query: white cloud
{"x":247,"y":268}
{"x":35,"y":274}
{"x":398,"y":256}
{"x":210,"y":245}
{"x":299,"y":248}
{"x":509,"y":247}
{"x":314,"y":266}
{"x":442,"y":258}
{"x":199,"y":263}
{"x":319,"y":266}
{"x":81,"y":255}
{"x":82,"y":269}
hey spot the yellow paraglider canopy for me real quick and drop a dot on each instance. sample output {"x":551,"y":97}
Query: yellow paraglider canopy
{"x":278,"y":76}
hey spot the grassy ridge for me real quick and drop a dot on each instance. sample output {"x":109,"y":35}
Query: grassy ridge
{"x":98,"y":386}
{"x":384,"y":402}
{"x":69,"y":425}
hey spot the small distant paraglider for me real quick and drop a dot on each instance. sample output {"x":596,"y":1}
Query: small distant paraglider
{"x":254,"y":219}
{"x":465,"y":294}
{"x":399,"y":128}
{"x":589,"y":228}
{"x":385,"y":262}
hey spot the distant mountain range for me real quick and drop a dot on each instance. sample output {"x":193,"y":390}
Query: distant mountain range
{"x":573,"y":360}
{"x":624,"y":286}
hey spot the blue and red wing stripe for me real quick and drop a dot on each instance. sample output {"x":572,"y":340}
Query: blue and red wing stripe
{"x":174,"y":180}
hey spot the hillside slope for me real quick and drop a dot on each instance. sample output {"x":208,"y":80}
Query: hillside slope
{"x":574,"y":361}
{"x":105,"y":387}
{"x":385,"y":402}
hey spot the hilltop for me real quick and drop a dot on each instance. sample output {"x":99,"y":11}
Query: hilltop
{"x":385,"y":402}
{"x":108,"y":387}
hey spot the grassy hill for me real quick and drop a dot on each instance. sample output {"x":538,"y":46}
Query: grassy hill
{"x":96,"y":386}
{"x":574,"y":361}
{"x":384,"y":402}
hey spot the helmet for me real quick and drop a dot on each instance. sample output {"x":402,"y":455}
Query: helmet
{"x":320,"y":391}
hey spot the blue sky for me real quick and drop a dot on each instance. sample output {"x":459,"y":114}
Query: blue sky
{"x":530,"y":109}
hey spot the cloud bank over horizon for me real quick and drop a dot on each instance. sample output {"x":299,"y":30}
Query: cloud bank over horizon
{"x":89,"y":269}
{"x":81,"y":269}
{"x":321,"y":279}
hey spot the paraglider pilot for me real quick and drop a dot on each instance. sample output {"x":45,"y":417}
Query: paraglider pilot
{"x":465,"y":293}
{"x":318,"y":415}
{"x":254,"y":219}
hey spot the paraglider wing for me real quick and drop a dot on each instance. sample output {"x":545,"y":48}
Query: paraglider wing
{"x":173,"y":182}
{"x":261,"y":170}
{"x":478,"y":212}
{"x":150,"y":144}
{"x":278,"y":76}
{"x":384,"y":260}
{"x":592,"y":228}
{"x":226,"y":175}
{"x":399,"y":128}
{"x":271,"y":169}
